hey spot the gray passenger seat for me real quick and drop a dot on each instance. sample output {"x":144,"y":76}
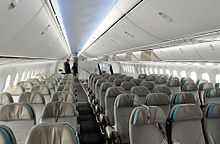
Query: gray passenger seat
{"x":186,"y":124}
{"x":145,"y":125}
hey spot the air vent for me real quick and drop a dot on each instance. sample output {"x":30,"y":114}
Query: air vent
{"x":166,"y":17}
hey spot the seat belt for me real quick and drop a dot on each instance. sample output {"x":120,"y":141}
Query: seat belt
{"x":162,"y":131}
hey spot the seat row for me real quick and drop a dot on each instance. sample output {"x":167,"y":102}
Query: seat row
{"x":103,"y":95}
{"x":21,"y":117}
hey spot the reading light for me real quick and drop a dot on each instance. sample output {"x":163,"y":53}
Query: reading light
{"x":13,"y":4}
{"x":166,"y":17}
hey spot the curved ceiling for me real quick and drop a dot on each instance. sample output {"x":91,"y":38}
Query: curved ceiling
{"x":81,"y":18}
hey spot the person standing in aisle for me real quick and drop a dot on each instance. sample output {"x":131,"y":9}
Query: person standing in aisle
{"x":67,"y":66}
{"x":75,"y":69}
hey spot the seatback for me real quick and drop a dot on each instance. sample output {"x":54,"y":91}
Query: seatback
{"x":36,"y":100}
{"x":34,"y":81}
{"x":103,"y":88}
{"x":94,"y":82}
{"x":27,"y":85}
{"x":183,"y":98}
{"x":202,"y":88}
{"x":152,"y":77}
{"x":118,"y":81}
{"x":64,"y":96}
{"x":192,"y":87}
{"x":15,"y":91}
{"x":59,"y":133}
{"x":6,"y":135}
{"x":200,"y":81}
{"x":211,"y":123}
{"x":174,"y":85}
{"x":19,"y":117}
{"x":110,"y":96}
{"x":97,"y":86}
{"x":211,"y":95}
{"x":5,"y":98}
{"x":141,"y":92}
{"x":49,"y":84}
{"x":123,"y":106}
{"x":149,"y":84}
{"x":53,"y":80}
{"x":186,"y":80}
{"x":162,"y":89}
{"x":44,"y":90}
{"x":217,"y":85}
{"x":159,"y":99}
{"x":60,"y":112}
{"x":161,"y":81}
{"x":142,"y":76}
{"x":112,"y":78}
{"x":127,"y":86}
{"x":186,"y":124}
{"x":128,"y":78}
{"x":136,"y":81}
{"x":143,"y":125}
{"x":66,"y":88}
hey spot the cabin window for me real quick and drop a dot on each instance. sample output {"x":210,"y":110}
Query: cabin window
{"x":155,"y":71}
{"x":16,"y":79}
{"x":151,"y":71}
{"x":161,"y":71}
{"x":217,"y":78}
{"x":130,"y":69}
{"x":206,"y":76}
{"x":146,"y":70}
{"x":183,"y":74}
{"x":28,"y":75}
{"x":133,"y":69}
{"x":32,"y":74}
{"x":8,"y":81}
{"x":175,"y":73}
{"x":23,"y":76}
{"x":142,"y":70}
{"x":193,"y":75}
{"x":168,"y":72}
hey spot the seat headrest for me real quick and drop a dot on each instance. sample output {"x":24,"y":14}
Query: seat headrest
{"x":118,"y":81}
{"x":136,"y":81}
{"x":106,"y":76}
{"x":111,"y":78}
{"x":35,"y":81}
{"x":141,"y":91}
{"x":124,"y":100}
{"x":25,"y":84}
{"x":184,"y":112}
{"x":204,"y":86}
{"x":5,"y":98}
{"x":14,"y":90}
{"x":162,"y":89}
{"x":65,"y":88}
{"x":186,"y":80}
{"x":16,"y":111}
{"x":6,"y":135}
{"x":152,"y":77}
{"x":173,"y":82}
{"x":61,"y":133}
{"x":183,"y":98}
{"x":113,"y":92}
{"x":142,"y":76}
{"x":146,"y":115}
{"x":100,"y":81}
{"x":127,"y":85}
{"x":212,"y":110}
{"x":161,"y":80}
{"x":189,"y":87}
{"x":96,"y":78}
{"x":49,"y":84}
{"x":104,"y":86}
{"x":66,"y":110}
{"x":212,"y":92}
{"x":149,"y":84}
{"x":32,"y":98}
{"x":157,"y":99}
{"x":128,"y":78}
{"x":217,"y":85}
{"x":120,"y":76}
{"x":43,"y":89}
{"x":200,"y":81}
{"x":53,"y":80}
{"x":63,"y":96}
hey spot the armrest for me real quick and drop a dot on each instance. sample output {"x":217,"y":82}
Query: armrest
{"x":112,"y":135}
{"x":109,"y":129}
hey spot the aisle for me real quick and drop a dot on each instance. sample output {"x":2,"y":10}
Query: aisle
{"x":90,"y":132}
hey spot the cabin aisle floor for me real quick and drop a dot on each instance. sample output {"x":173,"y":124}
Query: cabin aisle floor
{"x":89,"y":128}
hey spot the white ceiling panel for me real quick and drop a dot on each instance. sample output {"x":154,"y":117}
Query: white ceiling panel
{"x":39,"y":39}
{"x":13,"y":20}
{"x":189,"y":17}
